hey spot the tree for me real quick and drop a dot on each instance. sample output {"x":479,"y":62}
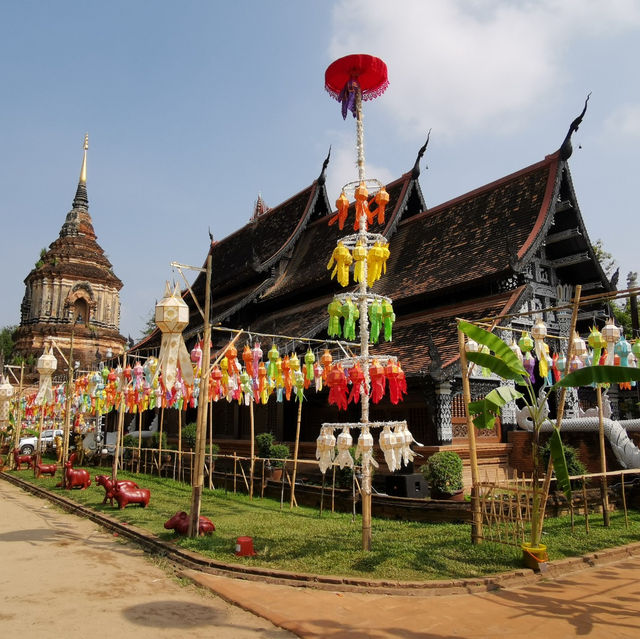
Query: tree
{"x":6,"y":342}
{"x":149,"y":324}
{"x":607,"y":261}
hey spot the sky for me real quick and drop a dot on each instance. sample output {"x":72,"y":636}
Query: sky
{"x":195,"y":107}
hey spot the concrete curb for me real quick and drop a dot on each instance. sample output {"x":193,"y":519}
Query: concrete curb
{"x":194,"y":562}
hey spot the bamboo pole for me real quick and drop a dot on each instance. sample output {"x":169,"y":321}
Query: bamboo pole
{"x":67,"y":412}
{"x":603,"y":461}
{"x":476,"y":528}
{"x":197,"y":483}
{"x":160,"y":441}
{"x":624,"y":503}
{"x":295,"y":456}
{"x":253,"y":447}
{"x":586,"y":505}
{"x":333,"y":489}
{"x":139,"y":440}
{"x":180,"y":477}
{"x":17,"y":431}
{"x":235,"y":471}
{"x":210,"y":444}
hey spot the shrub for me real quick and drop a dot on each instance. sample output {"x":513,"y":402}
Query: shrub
{"x":264,"y":442}
{"x":279,"y":452}
{"x":189,"y":435}
{"x":154,"y":440}
{"x":443,"y":472}
{"x":574,"y":465}
{"x":212,"y":449}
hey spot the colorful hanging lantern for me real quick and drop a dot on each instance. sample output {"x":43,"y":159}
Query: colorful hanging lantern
{"x":623,"y":349}
{"x":381,"y":199}
{"x":597,"y":343}
{"x":539,"y":333}
{"x":375,"y":321}
{"x":525,"y":343}
{"x":611,"y":334}
{"x":342,"y":259}
{"x":350,"y":314}
{"x":342,"y":204}
{"x":6,"y":393}
{"x":172,"y":317}
{"x":344,"y":443}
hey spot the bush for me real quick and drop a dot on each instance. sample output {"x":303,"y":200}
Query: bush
{"x":277,"y":453}
{"x":574,"y":465}
{"x":443,"y":472}
{"x":189,"y":435}
{"x":264,"y":442}
{"x":154,"y":440}
{"x":212,"y":449}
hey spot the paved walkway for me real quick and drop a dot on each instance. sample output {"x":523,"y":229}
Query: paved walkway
{"x":595,"y":602}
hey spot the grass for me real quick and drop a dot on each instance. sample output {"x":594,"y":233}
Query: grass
{"x":300,"y":540}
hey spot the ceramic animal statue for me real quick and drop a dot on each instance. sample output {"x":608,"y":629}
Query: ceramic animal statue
{"x":22,"y":459}
{"x":74,"y":478}
{"x":107,"y":483}
{"x":180,"y":523}
{"x":45,"y":469}
{"x":125,"y":496}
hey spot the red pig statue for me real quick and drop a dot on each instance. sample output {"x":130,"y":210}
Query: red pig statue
{"x":180,"y":523}
{"x":125,"y":495}
{"x":107,"y":483}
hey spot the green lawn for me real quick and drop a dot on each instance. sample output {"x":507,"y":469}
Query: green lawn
{"x":302,"y":541}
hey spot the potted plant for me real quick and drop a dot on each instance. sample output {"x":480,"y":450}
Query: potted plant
{"x":443,"y":473}
{"x":278,"y":453}
{"x":498,"y":358}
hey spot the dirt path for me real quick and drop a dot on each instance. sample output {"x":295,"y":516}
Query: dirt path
{"x":61,"y":576}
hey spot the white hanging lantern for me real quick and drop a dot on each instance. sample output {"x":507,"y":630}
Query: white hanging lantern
{"x":387,"y":440}
{"x":611,"y":334}
{"x":325,"y":448}
{"x":364,"y":448}
{"x":345,"y":441}
{"x":6,"y":393}
{"x":172,"y":317}
{"x":47,"y":364}
{"x":579,"y":347}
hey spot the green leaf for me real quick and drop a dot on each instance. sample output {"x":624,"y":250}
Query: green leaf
{"x":495,"y":365}
{"x":484,"y":411}
{"x":599,"y":375}
{"x":500,"y":348}
{"x":560,"y":463}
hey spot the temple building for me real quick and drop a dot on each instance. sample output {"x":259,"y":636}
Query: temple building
{"x":72,"y":290}
{"x":516,"y":245}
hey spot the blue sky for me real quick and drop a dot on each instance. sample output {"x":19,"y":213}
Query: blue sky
{"x":193,"y":108}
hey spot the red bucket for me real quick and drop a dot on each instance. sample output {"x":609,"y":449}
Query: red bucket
{"x":244,"y":547}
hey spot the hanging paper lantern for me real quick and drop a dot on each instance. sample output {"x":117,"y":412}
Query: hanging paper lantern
{"x":376,"y":262}
{"x":387,"y":440}
{"x":6,"y":393}
{"x":356,"y":377}
{"x":46,"y":366}
{"x":350,"y":314}
{"x":342,"y":205}
{"x":539,"y":333}
{"x":611,"y":334}
{"x":364,"y":447}
{"x":326,"y":360}
{"x":247,"y":358}
{"x":381,"y":199}
{"x":359,"y":257}
{"x":525,"y":342}
{"x":375,"y":320}
{"x":376,"y":375}
{"x":337,"y":383}
{"x":256,"y":352}
{"x":172,"y":317}
{"x":623,"y":349}
{"x":342,"y":259}
{"x":529,"y":363}
{"x":579,"y":347}
{"x":335,"y":315}
{"x":597,"y":343}
{"x":362,"y":207}
{"x":325,"y":448}
{"x":344,"y":443}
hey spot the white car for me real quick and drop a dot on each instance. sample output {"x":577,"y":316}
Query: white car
{"x":28,"y":445}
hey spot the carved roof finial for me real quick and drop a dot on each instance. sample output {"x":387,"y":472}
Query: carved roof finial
{"x":415,"y":171}
{"x":322,"y":177}
{"x":566,"y":149}
{"x":83,"y":169}
{"x":259,"y":208}
{"x":81,"y":200}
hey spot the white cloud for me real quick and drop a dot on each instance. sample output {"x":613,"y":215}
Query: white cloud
{"x":624,"y":121}
{"x":459,"y":66}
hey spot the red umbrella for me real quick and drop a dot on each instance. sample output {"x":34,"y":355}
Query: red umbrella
{"x":344,"y":76}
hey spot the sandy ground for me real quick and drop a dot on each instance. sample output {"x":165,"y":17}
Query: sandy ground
{"x":61,"y":576}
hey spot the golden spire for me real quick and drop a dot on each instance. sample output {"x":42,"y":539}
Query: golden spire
{"x":83,"y":170}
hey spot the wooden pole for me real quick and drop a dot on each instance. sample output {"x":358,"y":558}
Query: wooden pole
{"x":139,"y":440}
{"x":210,"y":444}
{"x":603,"y":461}
{"x":476,"y":527}
{"x":253,"y":447}
{"x":179,"y":444}
{"x":203,"y":405}
{"x":160,"y":441}
{"x":295,"y":455}
{"x":67,"y":409}
{"x":116,"y":453}
{"x":18,"y":420}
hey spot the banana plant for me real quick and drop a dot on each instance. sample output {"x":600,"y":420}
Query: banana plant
{"x":503,"y":362}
